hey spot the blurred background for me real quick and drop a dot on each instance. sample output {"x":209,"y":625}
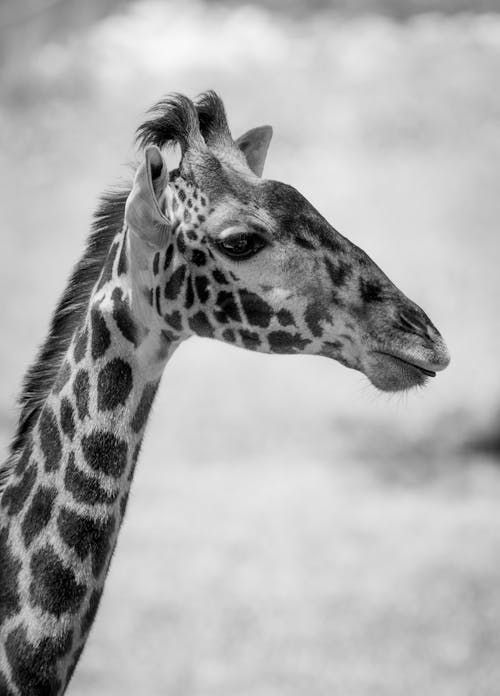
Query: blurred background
{"x":290,"y":530}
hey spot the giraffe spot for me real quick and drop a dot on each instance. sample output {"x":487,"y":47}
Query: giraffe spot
{"x":314,"y":315}
{"x":135,"y":457}
{"x":339,"y":272}
{"x":81,"y":390}
{"x":228,"y":335}
{"x":304,"y":243}
{"x":284,"y":342}
{"x":198,"y":257}
{"x":101,"y":338}
{"x":182,"y":195}
{"x":50,"y":441}
{"x":174,"y":320}
{"x":174,"y":284}
{"x":123,"y":317}
{"x":143,"y":407}
{"x":123,"y":503}
{"x":168,"y":256}
{"x":156,"y":263}
{"x":200,"y":325}
{"x":114,"y":384}
{"x":84,"y":488}
{"x":87,"y":537}
{"x":157,"y":299}
{"x":257,"y":311}
{"x":181,"y":243}
{"x":203,"y":200}
{"x":191,"y":234}
{"x":34,"y":667}
{"x":67,"y":418}
{"x":122,"y":259}
{"x":4,"y":689}
{"x":53,"y":586}
{"x":105,"y":453}
{"x":251,"y":340}
{"x":329,"y":242}
{"x":107,"y":271}
{"x":189,"y":203}
{"x":332,"y":348}
{"x":62,"y":377}
{"x":370,"y":290}
{"x":219,"y":277}
{"x":16,"y":494}
{"x":38,"y":514}
{"x":90,"y":614}
{"x":221,"y":317}
{"x":187,"y":216}
{"x":202,"y":283}
{"x":285,"y":318}
{"x":11,"y":566}
{"x":189,"y":301}
{"x":227,"y":304}
{"x":81,"y":345}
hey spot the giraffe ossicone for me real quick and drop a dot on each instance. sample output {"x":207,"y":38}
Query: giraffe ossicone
{"x":209,"y":249}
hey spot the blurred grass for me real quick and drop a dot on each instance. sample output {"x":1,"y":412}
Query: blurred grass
{"x":290,"y":531}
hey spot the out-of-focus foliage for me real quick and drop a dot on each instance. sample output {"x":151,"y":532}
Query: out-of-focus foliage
{"x":290,"y":531}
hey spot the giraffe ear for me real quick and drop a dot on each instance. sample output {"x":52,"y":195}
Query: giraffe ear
{"x":145,"y":207}
{"x":254,"y":144}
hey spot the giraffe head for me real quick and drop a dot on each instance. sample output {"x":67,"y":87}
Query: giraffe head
{"x":251,"y":262}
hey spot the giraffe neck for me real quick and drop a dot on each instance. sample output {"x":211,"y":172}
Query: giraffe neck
{"x":61,"y":511}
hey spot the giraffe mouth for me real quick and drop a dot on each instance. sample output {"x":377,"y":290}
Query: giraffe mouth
{"x":410,"y":363}
{"x":393,"y":371}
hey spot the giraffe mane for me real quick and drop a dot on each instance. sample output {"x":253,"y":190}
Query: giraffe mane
{"x":178,"y":120}
{"x":213,"y":120}
{"x":175,"y":121}
{"x":38,"y":380}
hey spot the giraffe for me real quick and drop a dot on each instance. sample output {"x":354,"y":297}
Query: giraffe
{"x":210,"y":249}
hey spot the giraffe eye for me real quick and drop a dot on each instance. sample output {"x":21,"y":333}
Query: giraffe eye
{"x":241,"y":245}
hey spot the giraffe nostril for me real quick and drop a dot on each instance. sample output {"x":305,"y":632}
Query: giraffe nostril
{"x":430,"y":353}
{"x":412,"y":323}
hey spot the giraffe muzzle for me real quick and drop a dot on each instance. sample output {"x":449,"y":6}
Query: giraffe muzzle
{"x":409,"y":362}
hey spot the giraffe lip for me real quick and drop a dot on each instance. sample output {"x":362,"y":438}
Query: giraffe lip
{"x":411,"y":363}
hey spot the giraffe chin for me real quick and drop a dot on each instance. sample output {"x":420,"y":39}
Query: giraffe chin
{"x":390,"y":373}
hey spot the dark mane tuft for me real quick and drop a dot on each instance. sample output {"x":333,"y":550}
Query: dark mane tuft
{"x":174,"y":121}
{"x":69,"y":312}
{"x":213,"y":120}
